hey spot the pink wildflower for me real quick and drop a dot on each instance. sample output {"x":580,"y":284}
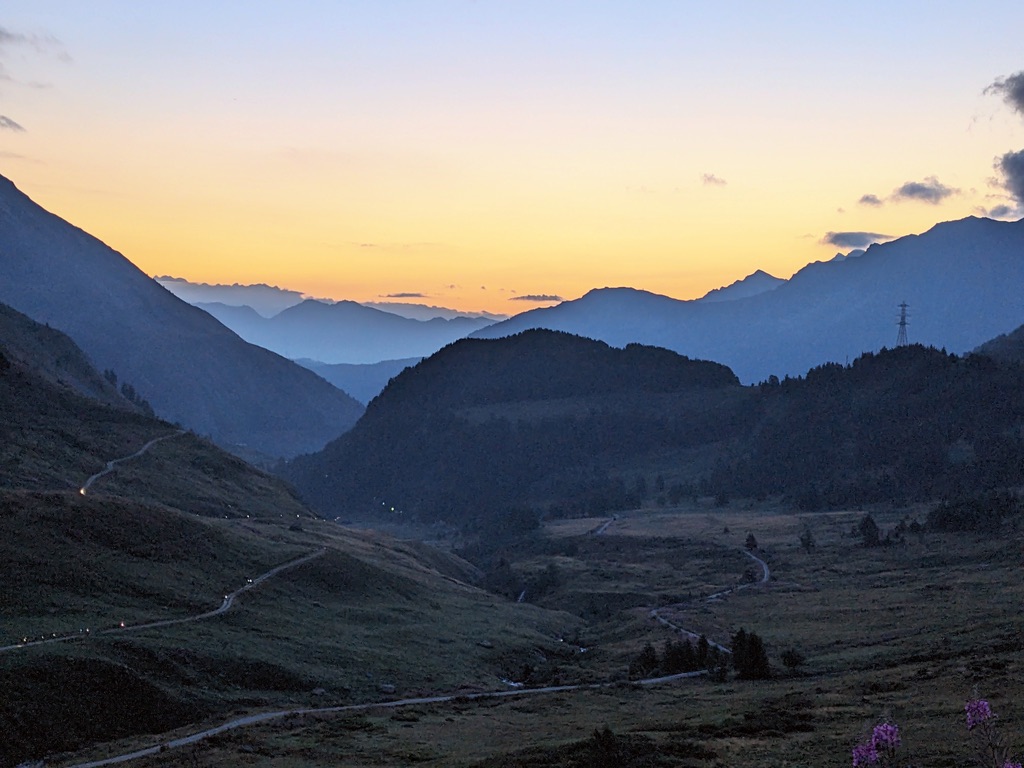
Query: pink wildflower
{"x":864,"y":754}
{"x":978,"y":711}
{"x":1011,"y":764}
{"x":886,"y":737}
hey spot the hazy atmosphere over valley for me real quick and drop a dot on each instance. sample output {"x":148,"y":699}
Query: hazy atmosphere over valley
{"x":487,"y":384}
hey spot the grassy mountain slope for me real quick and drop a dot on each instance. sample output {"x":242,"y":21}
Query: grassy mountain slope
{"x":166,"y":536}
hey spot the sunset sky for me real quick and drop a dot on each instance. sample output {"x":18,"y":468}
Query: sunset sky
{"x":488,"y":155}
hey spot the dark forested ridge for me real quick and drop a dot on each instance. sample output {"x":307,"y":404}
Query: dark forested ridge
{"x":562,"y":425}
{"x":911,"y":423}
{"x":484,"y":425}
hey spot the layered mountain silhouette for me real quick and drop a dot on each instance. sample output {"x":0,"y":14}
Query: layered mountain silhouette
{"x":54,"y":358}
{"x":961,"y":280}
{"x":188,"y":366}
{"x":547,"y":423}
{"x":363,"y":381}
{"x":343,"y":332}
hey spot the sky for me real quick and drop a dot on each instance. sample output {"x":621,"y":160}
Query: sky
{"x":504,"y":155}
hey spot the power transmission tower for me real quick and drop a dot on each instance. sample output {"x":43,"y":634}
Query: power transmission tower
{"x":901,"y":337}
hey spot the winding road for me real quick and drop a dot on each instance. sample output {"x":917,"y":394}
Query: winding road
{"x":262,"y":717}
{"x":112,"y":464}
{"x":655,"y":613}
{"x":229,"y":600}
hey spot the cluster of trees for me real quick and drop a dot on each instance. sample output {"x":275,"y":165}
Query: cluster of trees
{"x":984,"y":513}
{"x":676,"y":657}
{"x":749,"y":659}
{"x":129,"y":393}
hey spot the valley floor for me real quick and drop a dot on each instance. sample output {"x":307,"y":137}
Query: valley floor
{"x":905,"y":633}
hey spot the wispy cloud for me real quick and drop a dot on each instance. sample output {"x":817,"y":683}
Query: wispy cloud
{"x":1011,"y":89}
{"x":537,"y":298}
{"x":854,"y":239}
{"x":7,"y":124}
{"x":931,"y":190}
{"x":711,"y":180}
{"x":405,"y":295}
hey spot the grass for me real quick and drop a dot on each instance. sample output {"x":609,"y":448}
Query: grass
{"x":907,"y":632}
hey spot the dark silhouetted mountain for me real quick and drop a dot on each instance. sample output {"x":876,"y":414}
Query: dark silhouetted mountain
{"x":555,"y":424}
{"x":484,"y":425}
{"x":52,"y":356}
{"x":961,"y":279}
{"x":758,"y":282}
{"x":186,"y":364}
{"x":1008,"y":347}
{"x":906,"y":424}
{"x":344,"y":332}
{"x":363,"y":382}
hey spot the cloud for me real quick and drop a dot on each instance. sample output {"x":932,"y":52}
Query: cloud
{"x":853,"y":239}
{"x":1011,"y":89}
{"x":410,"y":295}
{"x":931,"y":190}
{"x":7,"y":124}
{"x":1000,"y":212}
{"x":1012,"y":166}
{"x":710,"y":179}
{"x":874,"y":200}
{"x":537,"y":297}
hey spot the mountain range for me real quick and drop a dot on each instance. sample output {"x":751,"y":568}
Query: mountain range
{"x":343,"y":332}
{"x":188,"y":366}
{"x":568,"y":426}
{"x":961,"y":280}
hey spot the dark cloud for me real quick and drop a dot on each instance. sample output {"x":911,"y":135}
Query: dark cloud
{"x":1001,"y":212}
{"x":404,"y":296}
{"x":1011,"y":89}
{"x":537,"y":297}
{"x":11,"y":38}
{"x":1012,"y":166}
{"x":853,"y":239}
{"x":710,"y":179}
{"x":9,"y":125}
{"x":931,"y":190}
{"x":874,"y":200}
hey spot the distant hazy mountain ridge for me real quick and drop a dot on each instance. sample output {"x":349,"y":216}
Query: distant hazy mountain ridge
{"x":186,"y":364}
{"x":343,"y":332}
{"x":961,"y":279}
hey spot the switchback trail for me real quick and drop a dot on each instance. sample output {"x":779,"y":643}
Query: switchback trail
{"x":229,"y":600}
{"x":262,"y":717}
{"x":766,"y":576}
{"x":112,"y":464}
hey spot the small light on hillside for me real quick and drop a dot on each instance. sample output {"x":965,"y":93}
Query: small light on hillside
{"x":82,"y":491}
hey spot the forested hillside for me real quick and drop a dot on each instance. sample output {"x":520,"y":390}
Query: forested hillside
{"x":486,"y":425}
{"x":547,"y":423}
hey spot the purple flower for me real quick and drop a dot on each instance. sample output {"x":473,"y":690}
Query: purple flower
{"x":1011,"y":764}
{"x":864,"y":754}
{"x":886,"y":737}
{"x":978,"y":711}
